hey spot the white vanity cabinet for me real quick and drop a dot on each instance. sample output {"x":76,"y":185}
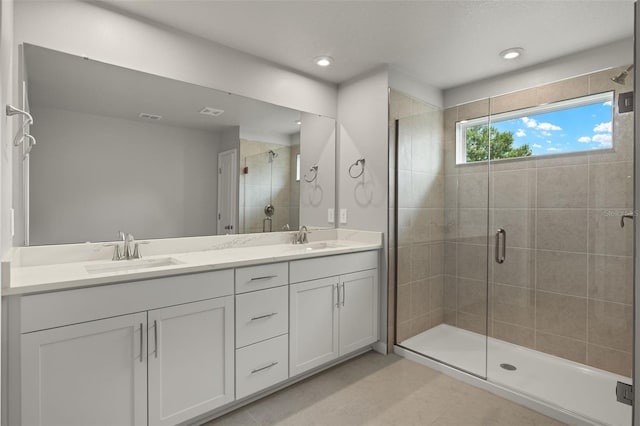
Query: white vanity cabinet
{"x":334,"y":315}
{"x":94,"y":373}
{"x":172,"y":362}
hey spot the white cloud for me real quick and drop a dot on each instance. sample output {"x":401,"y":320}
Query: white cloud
{"x":608,"y":103}
{"x":584,"y":139}
{"x":521,"y":133}
{"x":529,"y":122}
{"x":548,"y":141}
{"x":552,"y":149}
{"x":533,"y":124}
{"x":548,"y":126}
{"x":545,"y":133}
{"x":603,"y":127}
{"x":535,"y":145}
{"x":603,"y":139}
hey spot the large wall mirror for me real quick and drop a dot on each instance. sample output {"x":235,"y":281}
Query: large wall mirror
{"x":119,"y":149}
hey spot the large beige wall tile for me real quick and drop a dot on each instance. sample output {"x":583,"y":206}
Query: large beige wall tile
{"x":427,"y":190}
{"x":574,"y":159}
{"x":608,"y":359}
{"x":514,"y":189}
{"x":473,"y":190}
{"x":472,"y":296}
{"x":419,"y":298}
{"x":406,"y":218}
{"x":450,"y":317}
{"x":514,"y":101}
{"x":471,"y":322}
{"x":474,"y":109}
{"x":450,"y":292}
{"x":514,"y":334}
{"x":561,"y":272}
{"x":601,"y":81}
{"x":566,"y":89}
{"x":561,"y":315}
{"x":517,"y":270}
{"x":450,"y":258}
{"x":405,"y":185}
{"x":403,"y":331}
{"x":572,"y":349}
{"x":562,"y":187}
{"x":611,"y":325}
{"x":606,"y":236}
{"x":404,"y":146}
{"x":472,"y":226}
{"x":436,"y":292}
{"x":436,"y":317}
{"x":404,"y":265}
{"x":562,"y":229}
{"x":404,"y":303}
{"x":513,"y":305}
{"x":436,"y":259}
{"x":611,"y":185}
{"x":420,"y":262}
{"x":419,"y":324}
{"x":472,"y":261}
{"x":611,"y":278}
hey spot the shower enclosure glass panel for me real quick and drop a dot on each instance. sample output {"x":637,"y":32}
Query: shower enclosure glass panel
{"x":560,"y":311}
{"x":442,"y":214}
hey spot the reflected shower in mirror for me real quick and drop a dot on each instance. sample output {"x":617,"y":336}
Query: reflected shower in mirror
{"x":120,"y":149}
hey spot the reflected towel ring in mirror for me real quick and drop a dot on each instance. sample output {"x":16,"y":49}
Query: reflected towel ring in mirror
{"x":18,"y":139}
{"x":32,"y":142}
{"x":313,"y":169}
{"x":359,"y":161}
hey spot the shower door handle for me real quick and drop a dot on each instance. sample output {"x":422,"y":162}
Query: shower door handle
{"x":501,"y":250}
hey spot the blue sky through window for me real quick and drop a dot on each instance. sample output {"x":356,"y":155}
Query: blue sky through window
{"x":579,"y":128}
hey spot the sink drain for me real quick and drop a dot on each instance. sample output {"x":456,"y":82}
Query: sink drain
{"x":508,"y":367}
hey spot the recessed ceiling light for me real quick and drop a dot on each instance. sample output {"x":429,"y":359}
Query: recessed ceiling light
{"x":323,"y":61}
{"x":511,"y":53}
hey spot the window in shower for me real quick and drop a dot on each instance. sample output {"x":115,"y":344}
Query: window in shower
{"x":570,"y":126}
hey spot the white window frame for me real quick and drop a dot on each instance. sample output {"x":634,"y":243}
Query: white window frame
{"x":463,"y":125}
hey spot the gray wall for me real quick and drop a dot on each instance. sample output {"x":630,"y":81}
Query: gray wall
{"x":145,"y":178}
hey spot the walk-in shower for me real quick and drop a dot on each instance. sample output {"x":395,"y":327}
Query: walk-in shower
{"x":510,"y":261}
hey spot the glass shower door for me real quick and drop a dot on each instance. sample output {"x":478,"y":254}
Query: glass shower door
{"x":442,"y":208}
{"x":561,"y":270}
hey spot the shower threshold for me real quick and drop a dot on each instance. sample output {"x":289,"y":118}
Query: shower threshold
{"x":567,"y":390}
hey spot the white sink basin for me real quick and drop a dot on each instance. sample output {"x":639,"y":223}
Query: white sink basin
{"x":320,"y":245}
{"x":131,"y":265}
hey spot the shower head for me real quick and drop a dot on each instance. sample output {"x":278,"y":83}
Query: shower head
{"x":272,"y":154}
{"x":620,"y":78}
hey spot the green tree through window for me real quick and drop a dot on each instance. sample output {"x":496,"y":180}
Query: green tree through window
{"x":501,"y":145}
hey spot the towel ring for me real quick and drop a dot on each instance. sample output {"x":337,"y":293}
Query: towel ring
{"x":313,"y":169}
{"x":359,"y":161}
{"x":20,"y":138}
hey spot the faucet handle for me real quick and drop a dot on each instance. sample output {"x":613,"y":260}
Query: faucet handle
{"x":136,"y":250}
{"x":116,"y":250}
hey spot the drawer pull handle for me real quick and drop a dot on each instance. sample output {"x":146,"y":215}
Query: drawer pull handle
{"x":266,"y":277}
{"x":264,"y":368}
{"x":264,"y":316}
{"x":141,"y":343}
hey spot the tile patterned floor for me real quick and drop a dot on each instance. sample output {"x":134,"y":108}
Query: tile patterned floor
{"x":382,"y":390}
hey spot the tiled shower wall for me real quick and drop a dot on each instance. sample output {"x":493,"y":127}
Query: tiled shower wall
{"x":255,"y":186}
{"x":420,"y":185}
{"x":566,"y":286}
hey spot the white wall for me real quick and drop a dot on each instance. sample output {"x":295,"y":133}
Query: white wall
{"x":230,"y":139}
{"x":94,"y":175}
{"x":362,"y":133}
{"x":405,"y":83}
{"x":7,"y":124}
{"x":86,"y":29}
{"x":317,"y":147}
{"x":607,"y":56}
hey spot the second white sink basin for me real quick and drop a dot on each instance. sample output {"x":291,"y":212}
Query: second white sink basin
{"x":131,"y":265}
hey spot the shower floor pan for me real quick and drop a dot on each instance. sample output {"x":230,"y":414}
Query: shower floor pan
{"x":586,"y":391}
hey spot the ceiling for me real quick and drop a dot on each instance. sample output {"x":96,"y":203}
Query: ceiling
{"x":72,"y":83}
{"x":442,"y":43}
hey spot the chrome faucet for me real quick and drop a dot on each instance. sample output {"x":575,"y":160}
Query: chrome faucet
{"x":126,"y":254}
{"x":302,"y":235}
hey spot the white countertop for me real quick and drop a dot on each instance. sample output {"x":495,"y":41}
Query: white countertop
{"x":38,"y":271}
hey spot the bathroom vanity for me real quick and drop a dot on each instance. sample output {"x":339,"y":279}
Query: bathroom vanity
{"x":133,"y":343}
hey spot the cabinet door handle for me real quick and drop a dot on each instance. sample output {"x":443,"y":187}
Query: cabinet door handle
{"x":264,"y":368}
{"x":338,"y":295}
{"x":155,"y":336}
{"x":266,"y":277}
{"x":264,"y":316}
{"x":141,"y":344}
{"x":343,"y":295}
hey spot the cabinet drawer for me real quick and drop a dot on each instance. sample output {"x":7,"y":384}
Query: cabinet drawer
{"x":261,"y":315}
{"x":321,"y":267}
{"x":261,"y":365}
{"x":260,"y":277}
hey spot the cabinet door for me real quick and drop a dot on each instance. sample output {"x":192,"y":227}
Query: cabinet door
{"x":358,"y":310}
{"x":191,"y":361}
{"x":93,"y":373}
{"x":314,"y":324}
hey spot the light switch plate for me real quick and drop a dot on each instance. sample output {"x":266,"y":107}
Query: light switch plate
{"x":331,"y":215}
{"x":343,"y":215}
